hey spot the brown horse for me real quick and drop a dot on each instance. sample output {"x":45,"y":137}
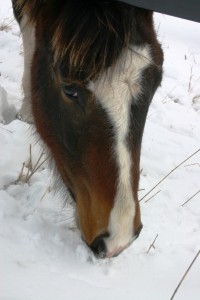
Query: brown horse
{"x":91,"y":70}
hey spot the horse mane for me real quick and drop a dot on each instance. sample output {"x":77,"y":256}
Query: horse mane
{"x":87,"y":35}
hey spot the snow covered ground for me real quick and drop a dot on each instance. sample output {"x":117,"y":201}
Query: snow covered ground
{"x":42,"y":255}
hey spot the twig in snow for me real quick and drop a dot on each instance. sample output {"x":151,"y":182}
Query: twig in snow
{"x":20,"y":177}
{"x":36,"y":169}
{"x":29,"y":165}
{"x":190,"y":198}
{"x":184,"y":276}
{"x":169,"y":174}
{"x":152,"y":244}
{"x":47,"y":191}
{"x":196,"y":164}
{"x":6,"y":129}
{"x":153,"y":196}
{"x":5,"y":24}
{"x":190,"y":80}
{"x":30,"y":153}
{"x":32,"y":171}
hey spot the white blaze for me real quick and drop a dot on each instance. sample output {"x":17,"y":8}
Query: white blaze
{"x":28,"y":38}
{"x":115,"y":90}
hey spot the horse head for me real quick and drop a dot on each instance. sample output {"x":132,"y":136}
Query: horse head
{"x":94,"y":70}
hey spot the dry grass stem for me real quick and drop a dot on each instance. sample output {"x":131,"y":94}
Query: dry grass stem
{"x":31,"y":170}
{"x":20,"y":177}
{"x":190,"y":80}
{"x":5,"y":24}
{"x":184,"y":275}
{"x":36,"y":167}
{"x":4,"y":27}
{"x":153,"y":196}
{"x":29,"y":165}
{"x":48,"y":190}
{"x":152,"y":244}
{"x":190,"y":198}
{"x":196,"y":164}
{"x":30,"y":154}
{"x":6,"y":129}
{"x":168,"y":175}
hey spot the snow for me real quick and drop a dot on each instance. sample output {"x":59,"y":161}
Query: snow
{"x":42,"y":255}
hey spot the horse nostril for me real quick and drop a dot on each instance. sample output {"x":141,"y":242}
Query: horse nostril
{"x":138,"y":232}
{"x":98,"y":247}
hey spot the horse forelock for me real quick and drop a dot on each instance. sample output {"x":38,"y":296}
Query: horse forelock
{"x":85,"y":36}
{"x":88,"y":38}
{"x":30,"y":8}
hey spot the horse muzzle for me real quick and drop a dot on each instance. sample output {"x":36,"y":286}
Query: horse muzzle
{"x":102,"y":245}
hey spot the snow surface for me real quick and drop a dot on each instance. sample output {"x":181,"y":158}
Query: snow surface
{"x":42,"y":255}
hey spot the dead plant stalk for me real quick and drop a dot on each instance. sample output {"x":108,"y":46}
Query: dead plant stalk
{"x":190,"y":198}
{"x":152,"y":244}
{"x":169,"y":174}
{"x":152,"y":196}
{"x":190,"y":266}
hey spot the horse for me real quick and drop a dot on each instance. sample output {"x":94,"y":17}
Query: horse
{"x":91,"y":69}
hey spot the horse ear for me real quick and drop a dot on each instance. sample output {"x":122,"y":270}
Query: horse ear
{"x":30,"y":8}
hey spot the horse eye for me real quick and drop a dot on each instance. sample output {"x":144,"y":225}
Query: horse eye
{"x":70,"y":92}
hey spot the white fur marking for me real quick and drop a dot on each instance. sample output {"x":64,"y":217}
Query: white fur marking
{"x":115,"y":90}
{"x":28,"y":38}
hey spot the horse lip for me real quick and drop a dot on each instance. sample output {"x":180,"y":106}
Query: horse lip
{"x":119,"y":250}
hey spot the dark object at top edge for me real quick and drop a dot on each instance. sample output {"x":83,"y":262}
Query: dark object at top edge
{"x":184,"y":9}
